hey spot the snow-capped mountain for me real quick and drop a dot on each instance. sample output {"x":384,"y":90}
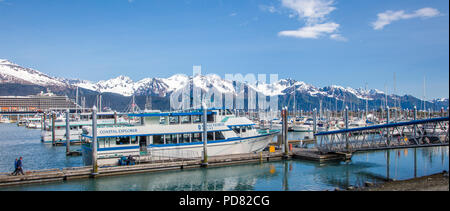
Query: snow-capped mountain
{"x":14,"y":74}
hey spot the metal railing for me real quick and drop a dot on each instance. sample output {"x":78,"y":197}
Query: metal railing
{"x":169,"y":155}
{"x":426,"y":132}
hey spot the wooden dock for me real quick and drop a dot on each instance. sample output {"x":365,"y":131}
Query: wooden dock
{"x":315,"y":155}
{"x":53,"y":175}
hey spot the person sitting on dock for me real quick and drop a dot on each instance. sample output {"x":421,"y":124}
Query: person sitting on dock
{"x":15,"y":167}
{"x":130,"y":160}
{"x":19,"y":166}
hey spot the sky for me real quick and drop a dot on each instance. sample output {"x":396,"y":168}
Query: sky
{"x":349,"y":43}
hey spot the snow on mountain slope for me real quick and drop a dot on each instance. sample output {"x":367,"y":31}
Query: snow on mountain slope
{"x":123,"y":85}
{"x":13,"y":73}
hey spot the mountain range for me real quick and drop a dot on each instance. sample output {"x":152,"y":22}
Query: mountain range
{"x":117,"y":92}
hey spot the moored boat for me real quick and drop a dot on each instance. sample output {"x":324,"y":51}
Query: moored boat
{"x":166,"y":135}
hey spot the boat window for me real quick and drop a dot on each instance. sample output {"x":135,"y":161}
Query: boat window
{"x":162,"y":121}
{"x":101,"y":143}
{"x":196,"y":119}
{"x":134,"y":139}
{"x":142,"y":140}
{"x":184,"y":138}
{"x":109,"y":141}
{"x":185,"y":119}
{"x":210,"y":118}
{"x":158,"y":139}
{"x":210,"y":136}
{"x":171,"y":139}
{"x":219,"y":135}
{"x":122,"y":140}
{"x":236,"y":129}
{"x":174,"y":120}
{"x":196,"y":137}
{"x":244,"y":129}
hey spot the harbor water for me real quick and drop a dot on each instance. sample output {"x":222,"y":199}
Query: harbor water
{"x":291,"y":175}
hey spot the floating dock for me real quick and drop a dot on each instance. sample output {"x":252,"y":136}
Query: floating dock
{"x":314,"y":155}
{"x":53,"y":175}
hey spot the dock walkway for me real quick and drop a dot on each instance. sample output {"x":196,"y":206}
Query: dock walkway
{"x":52,"y":175}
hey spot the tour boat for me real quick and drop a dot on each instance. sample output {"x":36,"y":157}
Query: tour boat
{"x":168,"y":135}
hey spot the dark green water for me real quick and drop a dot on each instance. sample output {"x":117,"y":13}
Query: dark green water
{"x":280,"y":175}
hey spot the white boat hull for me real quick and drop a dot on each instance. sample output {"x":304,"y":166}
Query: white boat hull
{"x":187,"y":151}
{"x":302,"y":128}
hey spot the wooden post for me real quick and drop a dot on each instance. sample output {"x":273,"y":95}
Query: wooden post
{"x":314,"y":122}
{"x":45,"y":120}
{"x":205,"y":136}
{"x":67,"y":132}
{"x":53,"y":129}
{"x":387,"y":122}
{"x":94,"y":141}
{"x":415,"y":126}
{"x":347,"y":145}
{"x":285,"y":131}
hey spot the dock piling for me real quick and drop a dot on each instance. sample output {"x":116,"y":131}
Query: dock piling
{"x":94,"y":141}
{"x":347,"y":145}
{"x":53,"y":128}
{"x":205,"y":137}
{"x":67,"y":132}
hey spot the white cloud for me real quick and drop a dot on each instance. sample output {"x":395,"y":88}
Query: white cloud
{"x":338,"y":37}
{"x":313,"y":31}
{"x":390,"y":16}
{"x":314,"y":13}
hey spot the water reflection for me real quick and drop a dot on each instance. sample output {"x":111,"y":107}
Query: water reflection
{"x":290,"y":175}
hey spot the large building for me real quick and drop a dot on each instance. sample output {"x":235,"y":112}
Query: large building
{"x":39,"y":102}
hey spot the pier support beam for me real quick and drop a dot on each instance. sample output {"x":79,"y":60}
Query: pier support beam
{"x":415,"y":127}
{"x":284,"y":116}
{"x":53,"y":129}
{"x":347,"y":145}
{"x":94,"y":141}
{"x":314,"y":122}
{"x":205,"y":137}
{"x":67,"y":132}
{"x":387,"y":122}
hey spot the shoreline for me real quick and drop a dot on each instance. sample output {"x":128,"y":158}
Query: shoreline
{"x":434,"y":182}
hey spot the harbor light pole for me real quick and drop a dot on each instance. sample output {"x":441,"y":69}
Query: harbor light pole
{"x":205,"y":140}
{"x":94,"y":141}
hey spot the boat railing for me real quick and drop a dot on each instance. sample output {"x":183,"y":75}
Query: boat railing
{"x":170,"y":155}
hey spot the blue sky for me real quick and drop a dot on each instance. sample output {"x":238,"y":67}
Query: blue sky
{"x":322,"y":42}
